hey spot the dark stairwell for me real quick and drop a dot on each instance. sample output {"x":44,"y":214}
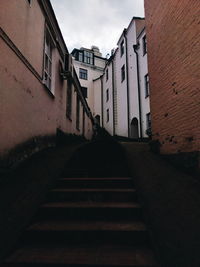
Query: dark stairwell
{"x":91,"y":217}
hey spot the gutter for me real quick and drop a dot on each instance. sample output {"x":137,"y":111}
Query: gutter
{"x":127,"y":78}
{"x":135,"y":47}
{"x":113,"y":95}
{"x":102,"y":114}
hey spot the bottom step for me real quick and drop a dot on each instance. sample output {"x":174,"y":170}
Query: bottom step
{"x":83,"y":256}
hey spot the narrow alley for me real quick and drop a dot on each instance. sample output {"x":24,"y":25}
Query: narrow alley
{"x":99,"y":133}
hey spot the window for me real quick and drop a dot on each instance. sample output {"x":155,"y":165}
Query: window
{"x":84,"y":91}
{"x":83,"y":74}
{"x":146,"y":85}
{"x":122,"y":48}
{"x":77,"y":113}
{"x":106,"y":74}
{"x":123,"y":73}
{"x":107,"y":115}
{"x":48,"y":61}
{"x":144,"y":42}
{"x":148,"y":118}
{"x":29,"y":1}
{"x":88,"y":57}
{"x":80,"y":56}
{"x":107,"y":95}
{"x":69,"y":100}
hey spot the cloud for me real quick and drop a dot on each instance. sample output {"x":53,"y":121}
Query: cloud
{"x":95,"y":22}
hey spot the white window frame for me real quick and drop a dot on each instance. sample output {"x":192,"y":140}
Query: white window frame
{"x":48,"y":60}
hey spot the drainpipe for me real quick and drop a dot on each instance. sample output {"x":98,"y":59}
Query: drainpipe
{"x":135,"y":47}
{"x":113,"y":95}
{"x":127,"y":78}
{"x":102,"y":111}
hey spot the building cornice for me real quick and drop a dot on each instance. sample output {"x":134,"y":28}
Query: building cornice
{"x":54,"y":26}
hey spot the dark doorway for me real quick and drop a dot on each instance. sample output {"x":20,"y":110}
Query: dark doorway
{"x":97,"y":118}
{"x":134,"y":128}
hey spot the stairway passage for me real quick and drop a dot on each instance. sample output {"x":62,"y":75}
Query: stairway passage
{"x":87,"y":222}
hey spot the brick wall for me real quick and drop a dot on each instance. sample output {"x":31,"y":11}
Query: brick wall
{"x":173,"y":36}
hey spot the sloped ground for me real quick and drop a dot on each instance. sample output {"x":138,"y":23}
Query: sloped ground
{"x":171,"y":200}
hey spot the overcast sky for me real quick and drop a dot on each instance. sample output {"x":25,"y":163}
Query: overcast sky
{"x":95,"y":22}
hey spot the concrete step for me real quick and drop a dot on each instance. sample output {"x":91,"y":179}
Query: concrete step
{"x":120,"y":182}
{"x":85,"y":232}
{"x":92,"y":194}
{"x":90,"y":210}
{"x":95,"y":255}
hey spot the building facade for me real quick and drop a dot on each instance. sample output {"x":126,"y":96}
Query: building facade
{"x":89,"y":65}
{"x":174,"y":65}
{"x":39,"y":96}
{"x":126,"y":85}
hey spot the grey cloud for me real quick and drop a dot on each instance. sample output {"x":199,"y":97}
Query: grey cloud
{"x":95,"y":22}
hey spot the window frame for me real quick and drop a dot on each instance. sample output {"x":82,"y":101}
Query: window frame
{"x":144,"y":44}
{"x":80,"y":55}
{"x":83,"y":74}
{"x":48,"y":61}
{"x":146,"y":85}
{"x":107,"y":115}
{"x":148,"y":121}
{"x":123,"y":74}
{"x":88,"y":57}
{"x":122,"y":47}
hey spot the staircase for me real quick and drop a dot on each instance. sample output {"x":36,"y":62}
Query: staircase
{"x":86,"y":222}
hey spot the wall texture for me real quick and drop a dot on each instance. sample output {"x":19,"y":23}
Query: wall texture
{"x":28,"y":109}
{"x":173,"y":38}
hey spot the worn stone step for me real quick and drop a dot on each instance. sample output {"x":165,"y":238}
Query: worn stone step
{"x":90,"y":210}
{"x":94,"y":255}
{"x":92,"y":194}
{"x":86,"y":232}
{"x":120,"y":182}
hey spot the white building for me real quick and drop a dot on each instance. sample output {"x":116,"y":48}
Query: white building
{"x":125,"y":97}
{"x":117,"y":89}
{"x":89,"y":65}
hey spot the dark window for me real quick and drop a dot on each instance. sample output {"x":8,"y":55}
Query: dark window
{"x":69,"y":100}
{"x":107,"y":115}
{"x":77,"y":113}
{"x":83,"y":74}
{"x":107,"y":95}
{"x":122,"y":47}
{"x":88,"y":57}
{"x":106,"y":74}
{"x":80,"y":56}
{"x":146,"y":85}
{"x":84,"y":92}
{"x":144,"y":43}
{"x":29,"y":1}
{"x":123,"y":73}
{"x":148,"y":117}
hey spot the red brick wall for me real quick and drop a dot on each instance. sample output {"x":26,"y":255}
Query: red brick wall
{"x":173,"y":36}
